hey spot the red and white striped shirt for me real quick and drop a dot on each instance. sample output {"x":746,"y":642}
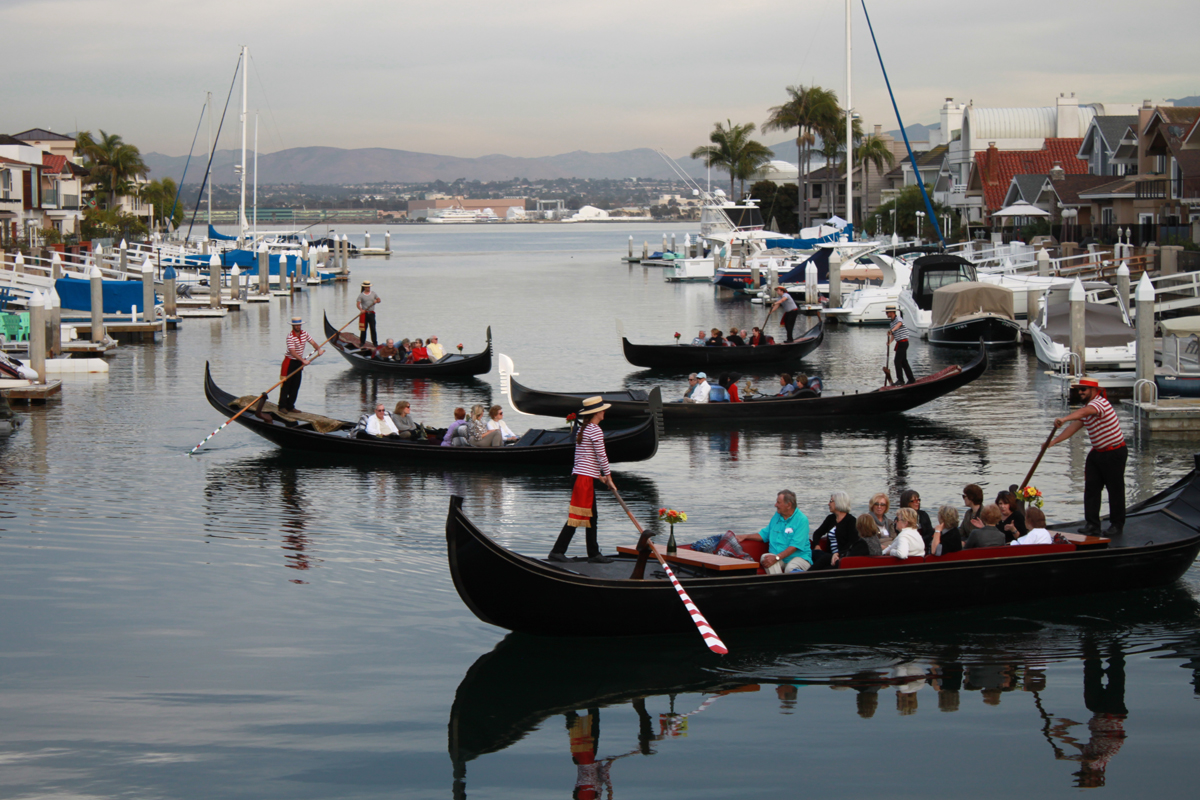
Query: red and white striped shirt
{"x":295,"y":343}
{"x":1104,"y":429}
{"x":591,"y":458}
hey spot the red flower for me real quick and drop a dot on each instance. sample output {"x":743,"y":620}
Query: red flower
{"x":570,"y":417}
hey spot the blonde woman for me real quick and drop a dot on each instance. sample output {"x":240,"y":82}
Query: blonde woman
{"x":477,"y":433}
{"x":878,"y":510}
{"x":908,"y":541}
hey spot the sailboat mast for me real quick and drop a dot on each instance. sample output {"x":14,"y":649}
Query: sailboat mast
{"x":242,"y":204}
{"x":208,"y":111}
{"x":256,"y":176}
{"x":849,"y":127}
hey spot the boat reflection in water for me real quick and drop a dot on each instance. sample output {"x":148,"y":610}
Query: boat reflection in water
{"x":526,"y":682}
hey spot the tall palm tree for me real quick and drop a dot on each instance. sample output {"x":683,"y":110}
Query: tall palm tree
{"x":733,"y":150}
{"x":112,"y":161}
{"x":808,"y":109}
{"x":872,"y":151}
{"x":833,"y":148}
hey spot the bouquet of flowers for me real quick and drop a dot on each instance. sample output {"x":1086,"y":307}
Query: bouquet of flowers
{"x":677,"y":335}
{"x":671,"y":516}
{"x":460,"y":347}
{"x":1031,"y":495}
{"x":571,"y":417}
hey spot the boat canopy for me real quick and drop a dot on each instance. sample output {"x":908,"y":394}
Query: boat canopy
{"x":968,"y":300}
{"x":932,"y":272}
{"x":1104,"y":326}
{"x":220,"y":237}
{"x":1181,"y":326}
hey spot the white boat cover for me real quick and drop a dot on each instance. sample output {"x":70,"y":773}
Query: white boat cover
{"x":1103,"y":326}
{"x":1181,"y":326}
{"x":970,"y":299}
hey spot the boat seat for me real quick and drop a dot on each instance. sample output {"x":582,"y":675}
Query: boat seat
{"x":530,"y":437}
{"x":1004,"y":551}
{"x":639,"y":395}
{"x":855,"y":562}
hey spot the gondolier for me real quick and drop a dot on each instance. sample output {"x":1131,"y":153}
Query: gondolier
{"x":790,"y":310}
{"x":591,"y":464}
{"x":1105,"y":464}
{"x":293,"y":363}
{"x":898,"y":332}
{"x":366,"y":302}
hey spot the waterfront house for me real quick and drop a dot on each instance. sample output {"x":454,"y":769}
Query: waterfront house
{"x":1106,"y":145}
{"x":993,"y":170}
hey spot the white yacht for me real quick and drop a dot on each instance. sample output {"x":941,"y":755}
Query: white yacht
{"x":947,"y":304}
{"x":1110,"y":340}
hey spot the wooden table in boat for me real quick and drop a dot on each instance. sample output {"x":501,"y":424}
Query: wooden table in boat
{"x":695,"y":559}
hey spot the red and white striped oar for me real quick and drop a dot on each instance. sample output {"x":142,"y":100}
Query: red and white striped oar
{"x":710,"y":636}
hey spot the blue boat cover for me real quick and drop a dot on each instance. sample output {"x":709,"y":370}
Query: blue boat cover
{"x":220,"y":237}
{"x":820,"y":258}
{"x":808,"y":244}
{"x":119,"y":296}
{"x":246,"y":261}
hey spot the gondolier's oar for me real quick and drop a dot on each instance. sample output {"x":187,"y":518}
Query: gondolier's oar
{"x":887,"y":373}
{"x":263,"y":396}
{"x":710,"y":636}
{"x":1038,"y":460}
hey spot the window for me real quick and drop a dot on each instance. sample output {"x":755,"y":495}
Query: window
{"x":5,"y":184}
{"x":1106,"y":216}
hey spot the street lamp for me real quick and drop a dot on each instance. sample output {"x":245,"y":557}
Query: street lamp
{"x":893,"y":213}
{"x":920,"y":216}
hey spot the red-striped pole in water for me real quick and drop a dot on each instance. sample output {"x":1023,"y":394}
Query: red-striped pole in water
{"x":710,"y":636}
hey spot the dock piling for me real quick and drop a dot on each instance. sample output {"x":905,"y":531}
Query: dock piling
{"x":97,"y":282}
{"x":366,"y":240}
{"x":37,"y":334}
{"x":1078,"y":334}
{"x":1043,"y":263}
{"x":1145,"y":336}
{"x":631,"y":245}
{"x":147,"y":291}
{"x":1123,"y":286}
{"x":56,"y":268}
{"x":387,"y":242}
{"x":168,"y":292}
{"x":235,"y":283}
{"x":54,"y":307}
{"x":264,"y":270}
{"x":214,"y":281}
{"x":124,"y":259}
{"x":835,"y":280}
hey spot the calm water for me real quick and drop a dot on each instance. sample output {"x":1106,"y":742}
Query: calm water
{"x":252,"y":623}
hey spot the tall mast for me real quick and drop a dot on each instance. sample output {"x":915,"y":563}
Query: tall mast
{"x":242,"y":205}
{"x":208,"y":111}
{"x":256,"y":176}
{"x":849,"y":128}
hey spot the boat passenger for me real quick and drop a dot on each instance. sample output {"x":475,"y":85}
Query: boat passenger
{"x":496,"y":423}
{"x":478,"y":434}
{"x":729,"y":383}
{"x":878,"y":508}
{"x":867,"y":543}
{"x":839,"y":531}
{"x":591,"y":465}
{"x":380,"y":425}
{"x":988,"y":535}
{"x":701,"y":392}
{"x":787,"y":385}
{"x":419,"y":354}
{"x":386,"y":351}
{"x":947,"y":536}
{"x":735,"y":338}
{"x":756,"y":337}
{"x":700,"y":340}
{"x":786,"y":537}
{"x":1037,"y":530}
{"x":716,"y":340}
{"x":453,"y":438}
{"x":692,"y":381}
{"x":908,"y":541}
{"x":405,"y":354}
{"x":408,"y":427}
{"x":973,"y":497}
{"x":1012,"y":521}
{"x":910,"y":498}
{"x":436,"y":353}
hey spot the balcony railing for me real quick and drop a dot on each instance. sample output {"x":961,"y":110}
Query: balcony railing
{"x":70,"y":202}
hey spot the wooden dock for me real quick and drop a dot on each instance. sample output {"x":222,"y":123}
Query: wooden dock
{"x":26,"y":392}
{"x":128,"y":332}
{"x":1172,"y":415}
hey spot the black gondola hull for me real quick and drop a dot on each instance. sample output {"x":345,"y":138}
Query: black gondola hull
{"x":453,"y":367}
{"x":637,"y":443}
{"x":879,"y":402}
{"x":690,"y":357}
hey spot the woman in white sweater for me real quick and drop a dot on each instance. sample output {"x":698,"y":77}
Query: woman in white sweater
{"x":908,"y":541}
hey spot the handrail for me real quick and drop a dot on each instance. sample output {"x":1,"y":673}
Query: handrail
{"x":1137,"y":386}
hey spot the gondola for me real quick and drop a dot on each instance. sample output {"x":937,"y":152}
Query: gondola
{"x":634,"y":403}
{"x":536,"y":447}
{"x":690,"y":357}
{"x":451,"y":365}
{"x":526,"y":594}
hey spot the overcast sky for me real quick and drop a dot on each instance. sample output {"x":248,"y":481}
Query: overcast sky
{"x":543,"y":77}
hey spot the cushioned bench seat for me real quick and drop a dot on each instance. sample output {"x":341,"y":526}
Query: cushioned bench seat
{"x":975,"y":554}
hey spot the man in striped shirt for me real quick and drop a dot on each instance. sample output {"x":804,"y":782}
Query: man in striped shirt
{"x":1105,"y":465}
{"x":293,"y":362}
{"x":898,"y":333}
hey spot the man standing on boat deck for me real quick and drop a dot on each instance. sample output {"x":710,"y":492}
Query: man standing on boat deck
{"x":294,"y":362}
{"x":790,"y":310}
{"x":898,"y":333}
{"x":786,"y":537}
{"x":366,"y":303}
{"x":1105,"y":465}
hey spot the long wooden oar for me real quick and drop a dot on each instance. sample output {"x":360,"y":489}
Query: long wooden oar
{"x":268,"y":391}
{"x":1038,"y":460}
{"x":887,"y":373}
{"x":710,"y":636}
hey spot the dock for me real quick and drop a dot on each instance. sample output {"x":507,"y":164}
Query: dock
{"x":129,"y":332}
{"x":1172,"y":415}
{"x":18,"y":391}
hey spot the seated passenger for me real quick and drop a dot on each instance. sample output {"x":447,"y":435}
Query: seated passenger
{"x":436,"y":353}
{"x":452,"y":433}
{"x":692,"y":381}
{"x":496,"y":423}
{"x":1012,"y":521}
{"x":908,"y":541}
{"x":716,"y":340}
{"x":909,"y":498}
{"x":405,"y":354}
{"x":1037,"y":531}
{"x":735,"y":339}
{"x":729,"y":383}
{"x":386,"y":351}
{"x":878,"y":508}
{"x":419,"y":354}
{"x":947,"y":536}
{"x":787,"y":386}
{"x":380,"y":425}
{"x":408,"y":427}
{"x":478,"y":434}
{"x":988,"y":535}
{"x":700,"y":340}
{"x":786,"y":537}
{"x":701,"y":392}
{"x":838,"y":530}
{"x":867,"y":543}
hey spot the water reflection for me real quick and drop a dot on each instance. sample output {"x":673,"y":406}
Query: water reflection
{"x":435,"y":397}
{"x":527,"y":681}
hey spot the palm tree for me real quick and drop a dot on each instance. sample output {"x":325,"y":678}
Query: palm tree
{"x":113,"y":162}
{"x":833,"y":148}
{"x":809,"y":109}
{"x":872,"y":151}
{"x":733,"y":150}
{"x":162,"y":194}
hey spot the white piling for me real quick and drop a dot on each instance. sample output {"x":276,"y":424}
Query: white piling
{"x":19,"y":263}
{"x":631,"y":245}
{"x":214,"y":281}
{"x":673,"y":250}
{"x":645,"y":250}
{"x":37,"y":334}
{"x":1145,"y":334}
{"x":1078,"y":331}
{"x":1043,"y":263}
{"x":810,"y":283}
{"x":387,"y":242}
{"x":97,"y":282}
{"x":54,"y":308}
{"x":835,"y":280}
{"x":1123,"y":285}
{"x":56,"y":266}
{"x":235,"y":283}
{"x":168,"y":293}
{"x":147,"y":290}
{"x":366,"y":239}
{"x":264,"y":269}
{"x":345,"y":254}
{"x":124,"y":262}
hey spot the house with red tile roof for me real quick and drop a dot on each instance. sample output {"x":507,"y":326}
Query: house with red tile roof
{"x":993,"y":170}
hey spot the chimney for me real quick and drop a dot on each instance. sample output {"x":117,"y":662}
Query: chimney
{"x":1147,"y":104}
{"x":1057,"y":173}
{"x":1067,"y":113}
{"x":878,"y":130}
{"x":990,"y":157}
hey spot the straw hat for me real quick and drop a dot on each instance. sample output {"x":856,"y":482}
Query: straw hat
{"x":1088,"y":383}
{"x":594,"y":405}
{"x":366,"y":284}
{"x":297,"y":320}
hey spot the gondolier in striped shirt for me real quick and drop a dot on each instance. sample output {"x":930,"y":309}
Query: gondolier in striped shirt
{"x":898,"y":332}
{"x":1105,"y":465}
{"x":292,"y":363}
{"x":591,"y":465}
